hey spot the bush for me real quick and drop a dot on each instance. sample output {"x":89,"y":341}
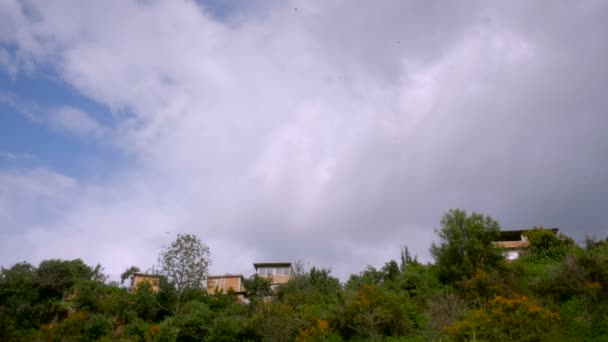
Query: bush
{"x":136,"y":330}
{"x":97,"y":326}
{"x":505,"y":319}
{"x":167,"y":331}
{"x":71,"y":328}
{"x":443,"y":311}
{"x":544,"y":243}
{"x":466,"y":245}
{"x":194,"y":321}
{"x":274,"y":322}
{"x":229,"y":329}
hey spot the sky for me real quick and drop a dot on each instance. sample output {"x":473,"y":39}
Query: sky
{"x":329,"y":132}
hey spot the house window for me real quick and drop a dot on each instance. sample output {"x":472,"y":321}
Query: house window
{"x":266,"y":271}
{"x":512,"y":255}
{"x":274,"y":271}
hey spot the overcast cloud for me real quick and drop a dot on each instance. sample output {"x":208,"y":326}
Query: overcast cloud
{"x":331,"y":132}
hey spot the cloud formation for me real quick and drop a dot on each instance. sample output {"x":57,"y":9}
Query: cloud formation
{"x":75,"y":121}
{"x":332,"y":132}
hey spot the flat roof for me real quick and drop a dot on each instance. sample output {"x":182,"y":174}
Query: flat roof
{"x":271,"y":264}
{"x":515,"y":234}
{"x":147,"y":275}
{"x":226,"y":276}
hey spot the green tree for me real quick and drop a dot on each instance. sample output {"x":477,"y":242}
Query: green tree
{"x":274,"y":322}
{"x":544,"y":243}
{"x":19,"y":294}
{"x":592,"y":242}
{"x":467,"y":243}
{"x":97,"y":326}
{"x":258,"y":287}
{"x":194,"y":321}
{"x":312,"y":287}
{"x":184,"y":263}
{"x":391,"y":270}
{"x":117,"y":302}
{"x":58,"y":276}
{"x":407,"y":259}
{"x":369,"y":276}
{"x":368,"y":312}
{"x":322,"y":280}
{"x":128,"y":273}
{"x":145,"y":302}
{"x":518,"y":318}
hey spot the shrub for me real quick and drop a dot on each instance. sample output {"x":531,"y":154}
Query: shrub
{"x":544,"y":243}
{"x":96,"y":326}
{"x":136,"y":330}
{"x":505,"y":319}
{"x":167,"y":331}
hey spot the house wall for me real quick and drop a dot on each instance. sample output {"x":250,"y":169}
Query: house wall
{"x":512,"y":244}
{"x":279,"y":273}
{"x":223,"y":284}
{"x":280,"y":279}
{"x":139,"y":279}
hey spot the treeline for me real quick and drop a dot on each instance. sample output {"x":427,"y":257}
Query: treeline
{"x":557,"y":291}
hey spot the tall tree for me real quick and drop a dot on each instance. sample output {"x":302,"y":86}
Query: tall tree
{"x":258,"y":287}
{"x":466,"y":244}
{"x":128,"y":273}
{"x":184,"y":263}
{"x":545,"y":243}
{"x":407,"y":259}
{"x":58,"y":276}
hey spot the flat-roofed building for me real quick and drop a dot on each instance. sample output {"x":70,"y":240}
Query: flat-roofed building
{"x":514,"y":242}
{"x":138,"y":279}
{"x":278,"y":272}
{"x":226,"y":283}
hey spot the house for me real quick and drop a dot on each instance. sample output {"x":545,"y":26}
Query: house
{"x":140,"y":278}
{"x":514,"y":242}
{"x":278,"y":272}
{"x":227,"y":283}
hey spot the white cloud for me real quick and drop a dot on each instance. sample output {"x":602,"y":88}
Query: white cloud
{"x":75,"y":121}
{"x":30,"y":199}
{"x":307,"y":134}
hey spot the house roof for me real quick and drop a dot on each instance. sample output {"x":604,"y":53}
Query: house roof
{"x":515,"y":234}
{"x":146,"y":275}
{"x":225,"y":276}
{"x":271,"y":264}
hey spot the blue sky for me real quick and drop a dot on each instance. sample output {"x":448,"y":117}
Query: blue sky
{"x":332,"y":132}
{"x":29,"y":141}
{"x":26,"y":135}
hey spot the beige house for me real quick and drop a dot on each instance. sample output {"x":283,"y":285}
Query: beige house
{"x":514,"y":242}
{"x":140,"y":278}
{"x":226,"y":283}
{"x":278,"y":272}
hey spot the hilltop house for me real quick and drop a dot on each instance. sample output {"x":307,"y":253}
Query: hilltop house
{"x":226,"y":283}
{"x":278,"y":272}
{"x":514,"y":242}
{"x":140,"y":278}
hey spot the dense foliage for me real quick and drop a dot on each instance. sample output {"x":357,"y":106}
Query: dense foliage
{"x":555,"y":292}
{"x":184,"y":264}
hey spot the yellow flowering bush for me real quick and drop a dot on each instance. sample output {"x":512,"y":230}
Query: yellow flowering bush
{"x":316,"y":332}
{"x":505,"y":319}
